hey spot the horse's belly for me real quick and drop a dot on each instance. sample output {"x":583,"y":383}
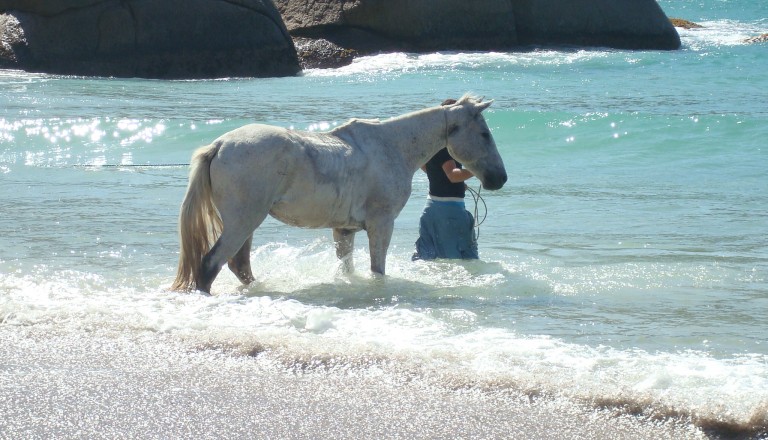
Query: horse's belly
{"x":310,"y":214}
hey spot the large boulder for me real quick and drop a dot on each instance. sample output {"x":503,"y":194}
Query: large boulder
{"x":146,"y":38}
{"x":622,"y":24}
{"x":413,"y":25}
{"x":369,"y":26}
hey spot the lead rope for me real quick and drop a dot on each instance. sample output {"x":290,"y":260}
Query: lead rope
{"x":478,"y":199}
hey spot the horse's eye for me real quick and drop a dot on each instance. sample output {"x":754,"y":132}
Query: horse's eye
{"x":486,"y":135}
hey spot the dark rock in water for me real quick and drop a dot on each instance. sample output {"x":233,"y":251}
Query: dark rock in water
{"x":685,"y":24}
{"x":621,"y":24}
{"x":371,"y":26}
{"x":415,"y":25}
{"x":759,"y":39}
{"x":150,"y":39}
{"x":219,"y":38}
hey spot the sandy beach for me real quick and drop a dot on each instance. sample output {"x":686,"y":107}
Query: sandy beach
{"x":88,"y":385}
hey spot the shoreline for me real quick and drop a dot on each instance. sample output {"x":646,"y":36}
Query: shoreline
{"x":97,"y":384}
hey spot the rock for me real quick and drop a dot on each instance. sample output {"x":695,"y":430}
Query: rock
{"x":410,"y":25}
{"x":150,"y":39}
{"x":321,"y":53}
{"x":759,"y":39}
{"x":685,"y":24}
{"x":217,"y":38}
{"x":11,"y":35}
{"x":370,"y":26}
{"x":621,"y":24}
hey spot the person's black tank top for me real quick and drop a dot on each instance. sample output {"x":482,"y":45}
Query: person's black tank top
{"x":439,"y":185}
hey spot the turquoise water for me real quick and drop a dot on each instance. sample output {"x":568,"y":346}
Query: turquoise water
{"x":624,"y":261}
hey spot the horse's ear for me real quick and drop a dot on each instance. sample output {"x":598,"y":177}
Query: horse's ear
{"x":480,"y":106}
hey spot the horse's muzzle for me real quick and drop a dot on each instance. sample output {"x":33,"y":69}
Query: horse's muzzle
{"x":494,"y":181}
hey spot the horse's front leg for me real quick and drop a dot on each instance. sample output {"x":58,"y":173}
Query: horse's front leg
{"x":379,"y":236}
{"x":344,"y":239}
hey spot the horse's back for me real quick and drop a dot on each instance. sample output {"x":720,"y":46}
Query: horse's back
{"x":251,"y":136}
{"x":307,"y":179}
{"x":258,"y":138}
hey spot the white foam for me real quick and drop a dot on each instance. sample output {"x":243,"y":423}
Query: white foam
{"x":402,"y":63}
{"x":308,"y":310}
{"x":719,"y":33}
{"x":711,"y":34}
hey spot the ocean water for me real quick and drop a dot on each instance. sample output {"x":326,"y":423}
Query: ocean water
{"x":623,"y":267}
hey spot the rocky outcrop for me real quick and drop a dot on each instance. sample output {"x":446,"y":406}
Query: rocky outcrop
{"x":218,"y":38}
{"x":366,"y":26}
{"x":146,"y":38}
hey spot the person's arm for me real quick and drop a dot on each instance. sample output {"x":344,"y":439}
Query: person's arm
{"x":455,"y":174}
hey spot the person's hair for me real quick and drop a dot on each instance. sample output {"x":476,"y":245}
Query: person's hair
{"x":449,"y":101}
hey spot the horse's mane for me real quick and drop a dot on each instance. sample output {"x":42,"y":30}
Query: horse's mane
{"x":355,"y":121}
{"x":465,"y":99}
{"x":469,"y":98}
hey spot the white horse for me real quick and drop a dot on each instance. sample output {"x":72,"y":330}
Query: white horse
{"x":355,"y":177}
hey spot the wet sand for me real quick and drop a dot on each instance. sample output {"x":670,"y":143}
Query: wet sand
{"x":96,"y":385}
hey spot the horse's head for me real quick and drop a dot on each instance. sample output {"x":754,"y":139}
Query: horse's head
{"x":471,"y":143}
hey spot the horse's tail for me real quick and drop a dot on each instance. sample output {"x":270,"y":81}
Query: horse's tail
{"x":199,"y":220}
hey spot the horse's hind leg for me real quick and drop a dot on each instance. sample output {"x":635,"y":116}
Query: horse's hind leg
{"x":234,"y":244}
{"x":226,"y":247}
{"x":240,"y":264}
{"x":209,"y":268}
{"x":344,"y":240}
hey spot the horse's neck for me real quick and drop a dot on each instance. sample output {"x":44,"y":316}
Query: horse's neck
{"x":418,"y":135}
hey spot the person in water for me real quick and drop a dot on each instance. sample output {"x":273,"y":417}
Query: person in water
{"x":446,"y":228}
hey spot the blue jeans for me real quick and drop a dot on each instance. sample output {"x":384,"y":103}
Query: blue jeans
{"x":446,"y":230}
